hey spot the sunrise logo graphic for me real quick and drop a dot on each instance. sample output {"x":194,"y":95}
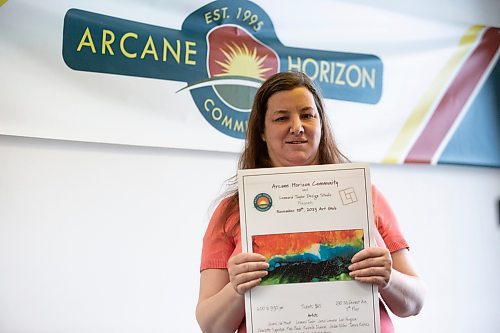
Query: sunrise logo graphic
{"x":237,"y":64}
{"x":262,"y":202}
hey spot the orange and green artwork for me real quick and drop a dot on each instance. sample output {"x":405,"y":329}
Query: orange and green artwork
{"x":308,"y":256}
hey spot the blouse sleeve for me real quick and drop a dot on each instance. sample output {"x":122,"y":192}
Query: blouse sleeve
{"x":387,"y":224}
{"x":217,"y":246}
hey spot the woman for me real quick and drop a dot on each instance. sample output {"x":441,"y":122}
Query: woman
{"x":288,"y":127}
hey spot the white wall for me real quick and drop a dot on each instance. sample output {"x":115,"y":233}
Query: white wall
{"x":106,"y":238}
{"x":451,"y":217}
{"x":102,"y":238}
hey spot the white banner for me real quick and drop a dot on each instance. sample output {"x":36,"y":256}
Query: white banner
{"x":183,"y":74}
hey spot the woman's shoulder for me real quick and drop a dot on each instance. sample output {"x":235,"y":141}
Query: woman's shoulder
{"x":378,"y":200}
{"x":227,"y":213}
{"x":228,"y":204}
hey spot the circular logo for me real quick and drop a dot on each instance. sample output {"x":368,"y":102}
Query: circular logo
{"x":237,"y":64}
{"x":262,"y":202}
{"x":237,"y":61}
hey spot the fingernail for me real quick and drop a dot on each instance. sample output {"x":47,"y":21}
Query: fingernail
{"x":350,"y":267}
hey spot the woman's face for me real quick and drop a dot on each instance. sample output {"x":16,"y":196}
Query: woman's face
{"x":292,"y":128}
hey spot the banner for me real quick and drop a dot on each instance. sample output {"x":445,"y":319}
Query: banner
{"x":398,"y":89}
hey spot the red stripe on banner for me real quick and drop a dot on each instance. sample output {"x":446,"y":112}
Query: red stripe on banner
{"x":453,"y":101}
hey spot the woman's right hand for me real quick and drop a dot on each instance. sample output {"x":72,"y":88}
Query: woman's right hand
{"x":246,"y":271}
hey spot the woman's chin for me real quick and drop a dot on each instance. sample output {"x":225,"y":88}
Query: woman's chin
{"x":297,"y":161}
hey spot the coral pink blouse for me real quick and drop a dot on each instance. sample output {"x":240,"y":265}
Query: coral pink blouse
{"x":218,"y":248}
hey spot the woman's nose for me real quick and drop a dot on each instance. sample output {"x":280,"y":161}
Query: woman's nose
{"x":296,"y":126}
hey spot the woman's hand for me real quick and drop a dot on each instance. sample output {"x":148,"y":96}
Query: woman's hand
{"x":372,"y":265}
{"x":246,"y":271}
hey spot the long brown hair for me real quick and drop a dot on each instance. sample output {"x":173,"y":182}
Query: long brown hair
{"x":255,"y":154}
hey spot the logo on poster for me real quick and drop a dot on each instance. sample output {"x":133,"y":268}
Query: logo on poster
{"x":262,"y":202}
{"x":224,"y":51}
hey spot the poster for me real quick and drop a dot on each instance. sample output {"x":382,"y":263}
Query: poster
{"x":308,"y":222}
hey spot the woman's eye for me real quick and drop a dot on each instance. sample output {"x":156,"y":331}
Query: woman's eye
{"x":307,"y":116}
{"x":280,"y":119}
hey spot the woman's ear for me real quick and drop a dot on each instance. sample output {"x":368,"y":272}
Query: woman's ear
{"x":263,"y":137}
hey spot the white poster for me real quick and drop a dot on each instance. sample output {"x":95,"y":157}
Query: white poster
{"x":308,"y":222}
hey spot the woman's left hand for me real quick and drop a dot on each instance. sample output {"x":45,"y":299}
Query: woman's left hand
{"x":372,"y":265}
